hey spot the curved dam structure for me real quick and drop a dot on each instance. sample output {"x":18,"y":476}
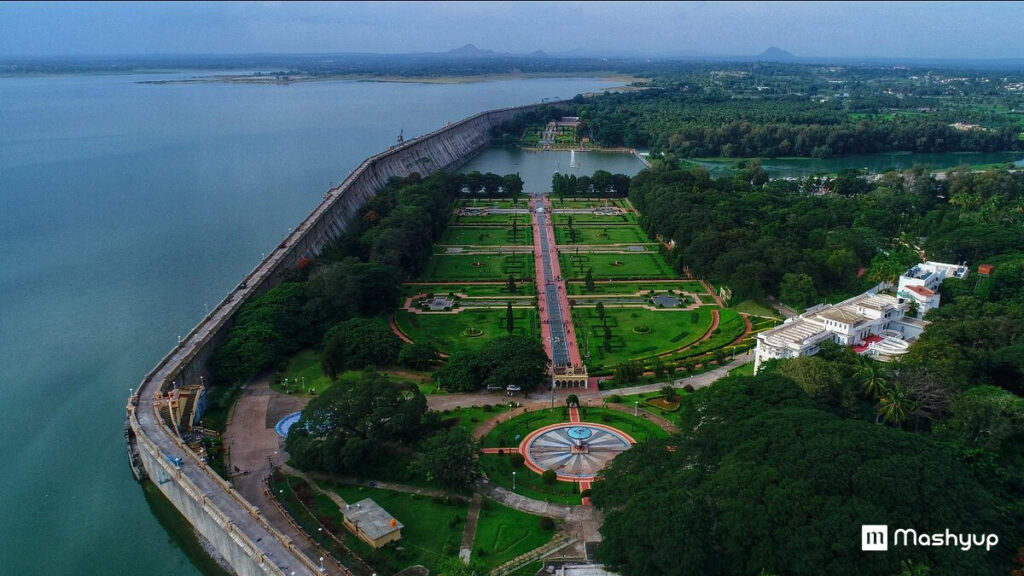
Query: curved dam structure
{"x":238,"y":531}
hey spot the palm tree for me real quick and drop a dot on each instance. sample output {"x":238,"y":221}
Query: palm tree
{"x":871,"y":376}
{"x":895,"y":405}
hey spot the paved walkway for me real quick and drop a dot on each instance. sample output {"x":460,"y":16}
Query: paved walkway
{"x":469,"y":532}
{"x":556,"y":321}
{"x":254,"y":445}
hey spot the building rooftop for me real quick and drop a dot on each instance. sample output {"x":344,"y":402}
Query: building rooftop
{"x":371,"y":519}
{"x":796,"y":331}
{"x":921,"y":290}
{"x":842,"y":316}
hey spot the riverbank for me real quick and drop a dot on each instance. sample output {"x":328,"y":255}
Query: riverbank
{"x":285,"y":79}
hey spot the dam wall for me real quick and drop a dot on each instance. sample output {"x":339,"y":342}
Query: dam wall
{"x":235,"y":528}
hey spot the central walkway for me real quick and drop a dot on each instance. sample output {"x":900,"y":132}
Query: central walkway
{"x":556,"y":321}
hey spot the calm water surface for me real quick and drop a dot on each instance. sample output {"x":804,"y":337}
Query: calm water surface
{"x":536,"y":168}
{"x":126,"y":210}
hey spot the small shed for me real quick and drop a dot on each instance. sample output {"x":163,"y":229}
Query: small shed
{"x":986,"y":269}
{"x":371,"y":523}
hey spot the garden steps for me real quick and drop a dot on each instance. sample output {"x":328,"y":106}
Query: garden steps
{"x":559,"y":542}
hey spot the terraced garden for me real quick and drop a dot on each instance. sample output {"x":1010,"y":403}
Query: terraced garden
{"x":486,"y":236}
{"x":633,"y":266}
{"x":596,"y":235}
{"x":463,"y":267}
{"x":637,"y":333}
{"x":467,"y":330}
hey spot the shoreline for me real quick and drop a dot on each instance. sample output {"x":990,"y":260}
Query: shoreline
{"x":287,"y":79}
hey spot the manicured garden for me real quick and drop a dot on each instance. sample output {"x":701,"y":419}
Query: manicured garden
{"x":503,"y":533}
{"x":467,"y":267}
{"x":497,"y":289}
{"x":643,"y":265}
{"x":601,"y":235}
{"x":562,"y":219}
{"x":466,"y":330}
{"x":501,"y":219}
{"x":637,"y":332}
{"x":630,"y":288}
{"x":487,"y":236}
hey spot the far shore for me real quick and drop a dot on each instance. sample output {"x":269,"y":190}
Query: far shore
{"x":285,"y":79}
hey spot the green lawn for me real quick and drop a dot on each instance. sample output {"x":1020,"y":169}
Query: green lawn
{"x":444,"y":268}
{"x":614,"y":266}
{"x":466,"y":202}
{"x":528,"y":288}
{"x":561,"y":219}
{"x":470,"y":417}
{"x":730,"y":327}
{"x":303,"y":375}
{"x":487,"y":236}
{"x":754,"y":309}
{"x":630,"y":288}
{"x":503,"y":533}
{"x":638,"y":333}
{"x":433,"y":527}
{"x":587,"y":202}
{"x":640,"y":403}
{"x":602,"y":235}
{"x":492,"y":219}
{"x":498,"y":469}
{"x":447,"y":332}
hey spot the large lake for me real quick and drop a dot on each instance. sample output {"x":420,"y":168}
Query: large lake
{"x":126,"y":210}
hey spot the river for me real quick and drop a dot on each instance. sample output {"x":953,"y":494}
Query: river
{"x":126,"y":210}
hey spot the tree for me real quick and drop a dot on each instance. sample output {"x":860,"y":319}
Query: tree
{"x":895,"y":405}
{"x":511,"y":284}
{"x":572,"y":400}
{"x":589,"y":283}
{"x":798,"y":290}
{"x":984,"y":417}
{"x":358,"y":343}
{"x":509,"y":360}
{"x":509,"y":318}
{"x":871,"y":377}
{"x":450,"y":457}
{"x":549,"y":477}
{"x":512,"y":186}
{"x":669,"y":392}
{"x":758,"y":462}
{"x":599,"y":308}
{"x":356,"y":423}
{"x":418,"y":356}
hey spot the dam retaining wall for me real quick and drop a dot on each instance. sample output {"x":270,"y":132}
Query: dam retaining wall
{"x":235,"y":528}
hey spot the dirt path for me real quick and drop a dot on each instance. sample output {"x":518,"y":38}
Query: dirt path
{"x":469,"y":532}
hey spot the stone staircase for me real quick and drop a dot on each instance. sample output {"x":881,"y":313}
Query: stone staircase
{"x":557,"y":543}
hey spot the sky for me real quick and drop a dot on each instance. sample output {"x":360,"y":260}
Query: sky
{"x":810,"y":29}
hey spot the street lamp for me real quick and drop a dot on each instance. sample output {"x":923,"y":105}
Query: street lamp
{"x":636,"y":407}
{"x":322,"y":564}
{"x":513,"y":480}
{"x":509,"y":410}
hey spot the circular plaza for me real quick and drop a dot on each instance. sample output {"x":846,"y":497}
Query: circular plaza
{"x":576,"y":451}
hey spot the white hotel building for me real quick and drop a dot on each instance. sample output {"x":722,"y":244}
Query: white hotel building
{"x":872,"y":324}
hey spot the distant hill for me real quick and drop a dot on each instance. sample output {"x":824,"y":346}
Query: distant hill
{"x":470,"y":51}
{"x":775,"y":54}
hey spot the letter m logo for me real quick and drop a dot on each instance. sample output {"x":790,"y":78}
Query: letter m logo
{"x":874,"y":537}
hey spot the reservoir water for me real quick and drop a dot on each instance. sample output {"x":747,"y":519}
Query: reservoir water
{"x":126,"y":210}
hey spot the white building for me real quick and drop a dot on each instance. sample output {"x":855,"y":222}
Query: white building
{"x":872,"y":324}
{"x":921,"y":283}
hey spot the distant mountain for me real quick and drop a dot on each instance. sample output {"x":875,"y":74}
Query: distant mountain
{"x":775,"y":54}
{"x":470,"y":51}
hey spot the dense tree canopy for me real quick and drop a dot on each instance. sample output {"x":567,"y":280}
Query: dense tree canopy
{"x":509,"y":360}
{"x":763,"y":479}
{"x":356,"y":423}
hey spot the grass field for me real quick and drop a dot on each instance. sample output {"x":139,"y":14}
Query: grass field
{"x":602,"y":235}
{"x":433,"y":527}
{"x":503,"y":533}
{"x":754,"y":309}
{"x":486,"y":236}
{"x":621,"y":220}
{"x":491,"y":219}
{"x":443,"y":268}
{"x":579,"y":288}
{"x":498,"y":469}
{"x":303,"y":375}
{"x":465,"y":202}
{"x":485,"y":290}
{"x":615,"y":266}
{"x":586,"y":202}
{"x":470,"y":417}
{"x":446,"y":331}
{"x":638,"y":333}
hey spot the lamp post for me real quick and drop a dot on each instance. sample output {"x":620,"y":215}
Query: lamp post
{"x":322,"y":564}
{"x":509,"y":410}
{"x":513,"y":480}
{"x":636,"y":407}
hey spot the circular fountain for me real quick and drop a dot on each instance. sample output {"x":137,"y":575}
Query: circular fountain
{"x":576,"y":451}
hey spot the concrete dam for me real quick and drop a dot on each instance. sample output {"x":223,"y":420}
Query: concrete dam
{"x":236,"y":529}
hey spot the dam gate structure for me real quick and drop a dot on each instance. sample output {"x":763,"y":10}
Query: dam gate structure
{"x":236,"y":529}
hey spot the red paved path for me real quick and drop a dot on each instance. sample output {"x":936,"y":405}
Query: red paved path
{"x":563,"y":299}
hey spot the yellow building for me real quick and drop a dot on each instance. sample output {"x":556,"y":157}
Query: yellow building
{"x":371,"y":523}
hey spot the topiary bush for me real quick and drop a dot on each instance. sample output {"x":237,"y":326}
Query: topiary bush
{"x":549,"y":477}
